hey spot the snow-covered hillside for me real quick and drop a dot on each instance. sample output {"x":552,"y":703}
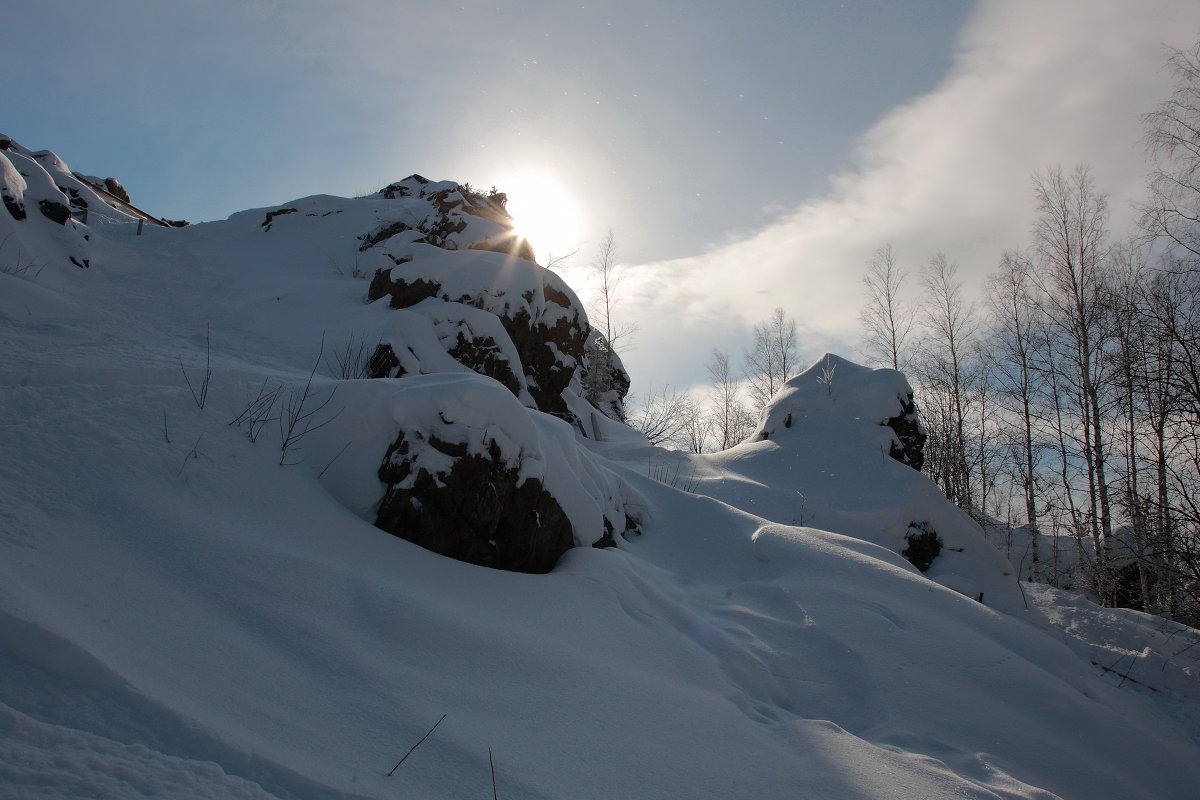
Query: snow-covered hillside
{"x":195,"y":601}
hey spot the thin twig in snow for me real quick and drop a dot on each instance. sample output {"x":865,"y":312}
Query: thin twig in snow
{"x":492,"y":764}
{"x":415,"y":746}
{"x":193,"y":453}
{"x":201,"y":396}
{"x":295,"y":422}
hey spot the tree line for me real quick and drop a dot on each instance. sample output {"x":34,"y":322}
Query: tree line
{"x":1067,"y":401}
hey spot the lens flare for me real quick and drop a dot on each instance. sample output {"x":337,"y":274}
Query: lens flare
{"x":545,"y":212}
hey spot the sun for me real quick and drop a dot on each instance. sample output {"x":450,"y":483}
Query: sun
{"x":545,"y":212}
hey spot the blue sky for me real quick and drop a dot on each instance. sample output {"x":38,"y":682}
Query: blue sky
{"x":746,"y":155}
{"x":645,"y":111}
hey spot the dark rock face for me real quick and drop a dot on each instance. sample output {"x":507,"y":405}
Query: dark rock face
{"x":76,"y":199}
{"x":479,"y":511}
{"x":924,"y":545}
{"x":271,"y":215}
{"x":404,"y":293}
{"x":483,"y":355}
{"x":15,"y":207}
{"x":547,"y":375}
{"x":383,"y":363}
{"x":369,"y":240}
{"x":54,"y":211}
{"x":907,"y":427}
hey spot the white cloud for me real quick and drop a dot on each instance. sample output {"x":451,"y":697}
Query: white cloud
{"x":1033,"y":84}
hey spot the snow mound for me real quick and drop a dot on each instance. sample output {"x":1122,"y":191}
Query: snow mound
{"x":455,"y":463}
{"x":835,"y":387}
{"x":826,"y":454}
{"x":1156,"y":658}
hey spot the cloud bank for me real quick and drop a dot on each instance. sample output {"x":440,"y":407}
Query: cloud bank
{"x":1033,"y":84}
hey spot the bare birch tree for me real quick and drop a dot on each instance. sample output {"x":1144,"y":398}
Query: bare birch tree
{"x":886,"y":320}
{"x":948,"y":328}
{"x":1173,"y":138}
{"x":1070,"y":255}
{"x":772,"y":358}
{"x":601,"y":358}
{"x":1014,"y":344}
{"x":731,"y":420}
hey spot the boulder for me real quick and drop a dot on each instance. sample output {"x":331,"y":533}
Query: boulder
{"x":114,"y":187}
{"x":923,"y":545}
{"x":477,"y":509}
{"x":54,"y":211}
{"x":474,"y":475}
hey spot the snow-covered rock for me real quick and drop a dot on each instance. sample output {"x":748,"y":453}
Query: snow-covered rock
{"x":49,"y":210}
{"x":480,"y":339}
{"x":603,"y":381}
{"x":476,"y":476}
{"x":881,"y":397}
{"x":458,"y":218}
{"x":826,"y":454}
{"x":543,"y":322}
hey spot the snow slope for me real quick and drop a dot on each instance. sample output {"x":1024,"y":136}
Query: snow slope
{"x":183,"y":616}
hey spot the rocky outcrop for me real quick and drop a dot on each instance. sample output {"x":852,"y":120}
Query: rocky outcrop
{"x":603,"y":381}
{"x":482,"y":462}
{"x":114,"y":187}
{"x":474,"y":475}
{"x":452,"y":207}
{"x":48,"y":209}
{"x":909,"y":447}
{"x":271,"y":215}
{"x":544,"y":325}
{"x":542,"y":320}
{"x":486,"y":356}
{"x":15,"y":207}
{"x":477,"y":510}
{"x":54,"y":211}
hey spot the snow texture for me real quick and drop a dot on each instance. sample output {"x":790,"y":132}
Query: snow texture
{"x":182,"y":616}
